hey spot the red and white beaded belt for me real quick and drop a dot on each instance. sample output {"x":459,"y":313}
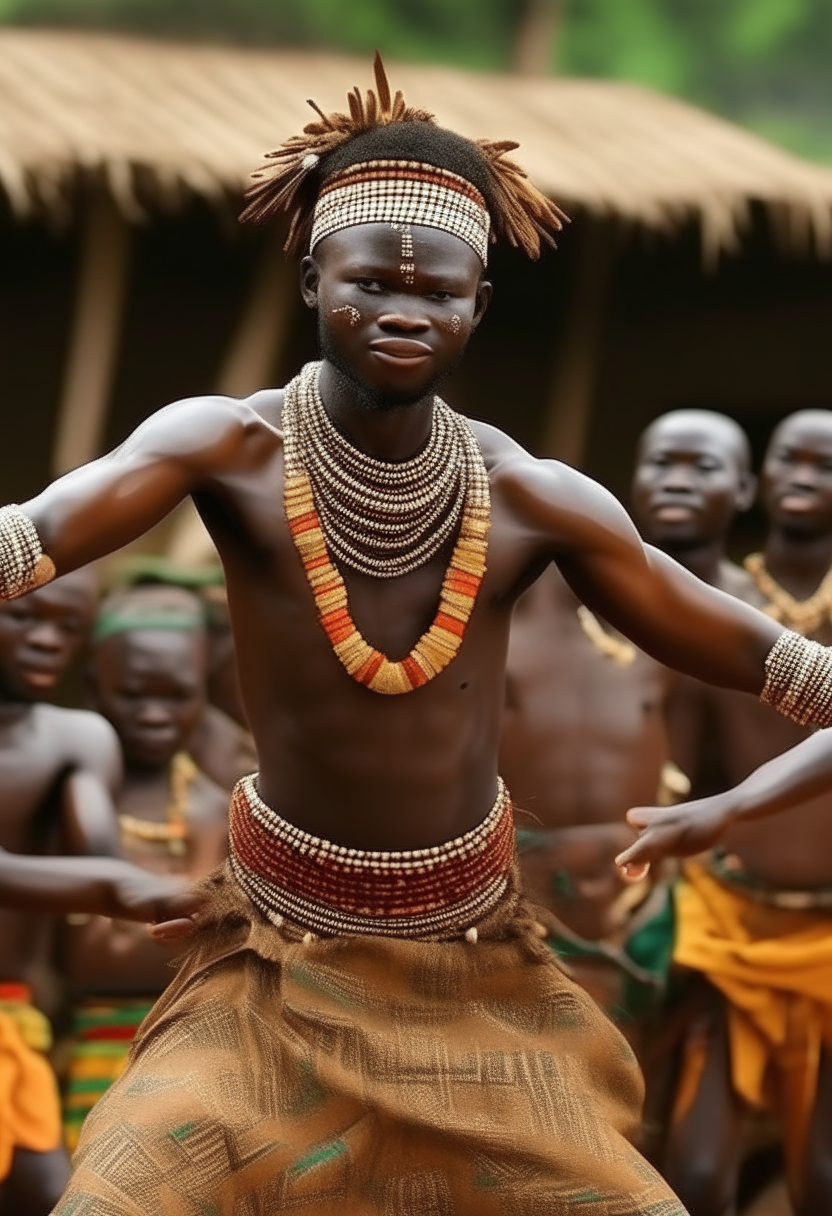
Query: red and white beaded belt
{"x":437,"y":893}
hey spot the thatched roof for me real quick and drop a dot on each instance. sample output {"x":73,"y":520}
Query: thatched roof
{"x":159,"y":119}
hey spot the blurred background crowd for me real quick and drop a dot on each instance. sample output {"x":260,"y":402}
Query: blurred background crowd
{"x":689,"y":140}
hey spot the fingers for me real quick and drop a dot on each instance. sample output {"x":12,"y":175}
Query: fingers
{"x":635,"y":861}
{"x":633,"y":871}
{"x":643,"y":816}
{"x":171,"y":930}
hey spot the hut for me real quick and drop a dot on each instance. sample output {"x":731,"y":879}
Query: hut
{"x":695,"y":272}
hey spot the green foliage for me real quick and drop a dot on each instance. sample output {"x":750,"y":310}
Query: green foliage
{"x":766,"y":63}
{"x":474,"y":33}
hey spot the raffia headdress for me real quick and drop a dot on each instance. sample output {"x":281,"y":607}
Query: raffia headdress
{"x":396,"y":190}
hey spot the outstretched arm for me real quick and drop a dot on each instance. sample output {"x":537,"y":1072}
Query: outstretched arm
{"x":665,"y":610}
{"x":104,"y":505}
{"x":691,"y":827}
{"x":102,"y":886}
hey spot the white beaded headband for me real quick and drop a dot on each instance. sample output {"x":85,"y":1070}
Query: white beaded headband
{"x":402,"y":192}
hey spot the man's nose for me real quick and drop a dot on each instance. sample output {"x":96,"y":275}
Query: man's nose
{"x":404,"y":321}
{"x":46,"y":636}
{"x":678,"y":479}
{"x":804,"y":474}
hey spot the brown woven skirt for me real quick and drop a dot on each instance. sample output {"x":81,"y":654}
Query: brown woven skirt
{"x":285,"y":1072}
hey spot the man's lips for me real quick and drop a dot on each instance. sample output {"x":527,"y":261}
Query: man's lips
{"x":405,"y":352}
{"x":674,"y":512}
{"x":40,"y":677}
{"x":798,"y":504}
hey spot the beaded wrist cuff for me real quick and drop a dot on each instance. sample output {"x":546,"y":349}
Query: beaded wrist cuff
{"x":436,"y":893}
{"x":23,"y":564}
{"x":799,"y":680}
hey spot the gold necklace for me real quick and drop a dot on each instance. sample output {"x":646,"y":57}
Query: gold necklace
{"x":174,"y":831}
{"x":622,"y":652}
{"x":803,"y":616}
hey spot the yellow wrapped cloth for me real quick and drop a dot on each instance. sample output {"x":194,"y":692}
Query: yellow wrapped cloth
{"x":30,"y":1111}
{"x":773,"y":965}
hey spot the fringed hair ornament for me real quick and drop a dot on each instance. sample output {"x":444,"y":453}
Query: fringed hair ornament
{"x":291,"y":179}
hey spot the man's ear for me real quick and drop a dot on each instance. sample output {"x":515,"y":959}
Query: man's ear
{"x":310,"y":278}
{"x":747,"y":491}
{"x":484,"y":293}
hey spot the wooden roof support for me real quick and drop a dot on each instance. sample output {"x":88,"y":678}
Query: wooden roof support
{"x":254,"y":352}
{"x":95,"y":334}
{"x":568,"y":412}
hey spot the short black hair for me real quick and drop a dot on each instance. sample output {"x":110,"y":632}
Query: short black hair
{"x":416,"y":141}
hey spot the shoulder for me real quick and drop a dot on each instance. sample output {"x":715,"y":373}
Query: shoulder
{"x":208,"y":427}
{"x":739,"y":583}
{"x":81,"y":736}
{"x":208,"y":801}
{"x":548,"y":494}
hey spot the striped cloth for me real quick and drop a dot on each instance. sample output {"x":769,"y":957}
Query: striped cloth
{"x":102,"y":1032}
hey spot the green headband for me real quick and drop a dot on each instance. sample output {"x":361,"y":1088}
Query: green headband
{"x":115,"y":621}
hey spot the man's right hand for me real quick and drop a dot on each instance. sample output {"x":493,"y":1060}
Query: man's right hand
{"x":675,"y":831}
{"x":169,"y":907}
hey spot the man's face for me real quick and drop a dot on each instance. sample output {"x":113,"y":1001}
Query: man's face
{"x":797,"y":474}
{"x":41,"y":633}
{"x":150,"y":684}
{"x":396,"y":307}
{"x":689,"y":483}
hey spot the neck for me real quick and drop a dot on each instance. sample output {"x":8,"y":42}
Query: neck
{"x":147,"y":776}
{"x":798,"y":563}
{"x":395,"y":433}
{"x":12,"y":711}
{"x":702,"y":558}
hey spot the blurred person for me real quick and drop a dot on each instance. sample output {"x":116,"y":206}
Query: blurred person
{"x":96,"y":885}
{"x":583,"y":731}
{"x":58,"y":773}
{"x":362,"y":1027}
{"x":585,"y":724}
{"x":220,"y":742}
{"x":148,"y":678}
{"x":763,"y":1041}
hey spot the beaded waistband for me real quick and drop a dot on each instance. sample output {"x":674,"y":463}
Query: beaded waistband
{"x":438,"y":892}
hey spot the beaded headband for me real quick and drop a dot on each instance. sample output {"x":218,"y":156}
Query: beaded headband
{"x":402,"y":192}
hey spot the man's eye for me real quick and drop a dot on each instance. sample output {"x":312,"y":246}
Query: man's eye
{"x":441,"y":296}
{"x":368,"y":284}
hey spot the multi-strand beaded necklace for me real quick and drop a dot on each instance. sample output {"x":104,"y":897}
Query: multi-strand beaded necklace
{"x":384,"y":520}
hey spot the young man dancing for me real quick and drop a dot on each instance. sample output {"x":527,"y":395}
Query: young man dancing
{"x":373,"y":1025}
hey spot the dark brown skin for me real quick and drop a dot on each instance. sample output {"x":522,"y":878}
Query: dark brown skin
{"x":58,"y":767}
{"x":583,"y":739}
{"x":222,"y":748}
{"x":583,"y":735}
{"x":337,"y":759}
{"x":797,"y":493}
{"x":705,"y":1151}
{"x":151,"y":686}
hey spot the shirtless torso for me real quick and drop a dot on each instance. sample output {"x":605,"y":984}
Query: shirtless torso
{"x":583,"y":739}
{"x":368,"y":770}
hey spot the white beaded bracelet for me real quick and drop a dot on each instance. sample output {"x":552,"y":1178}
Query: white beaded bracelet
{"x":23,"y":564}
{"x":799,"y":680}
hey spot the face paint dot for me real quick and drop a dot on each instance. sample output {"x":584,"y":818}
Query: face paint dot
{"x":455,"y":324}
{"x":353,"y":314}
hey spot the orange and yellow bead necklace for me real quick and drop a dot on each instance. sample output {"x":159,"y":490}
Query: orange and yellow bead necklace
{"x":391,"y":503}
